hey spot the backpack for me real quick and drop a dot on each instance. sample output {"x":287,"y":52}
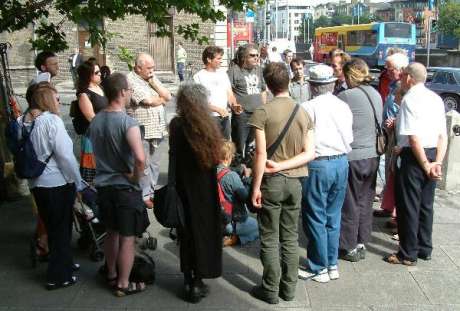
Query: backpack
{"x":143,"y":269}
{"x":26,"y":164}
{"x":80,"y":124}
{"x":230,"y":212}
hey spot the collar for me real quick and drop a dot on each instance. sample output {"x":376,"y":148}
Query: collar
{"x":416,"y":88}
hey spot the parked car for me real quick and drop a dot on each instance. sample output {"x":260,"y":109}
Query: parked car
{"x":446,"y":82}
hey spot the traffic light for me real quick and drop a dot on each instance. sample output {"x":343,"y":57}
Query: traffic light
{"x":434,"y":25}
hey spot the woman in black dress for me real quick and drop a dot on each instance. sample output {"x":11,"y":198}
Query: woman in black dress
{"x":195,"y":143}
{"x":91,"y":100}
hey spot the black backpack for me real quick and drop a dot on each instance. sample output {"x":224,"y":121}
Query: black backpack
{"x":26,"y":164}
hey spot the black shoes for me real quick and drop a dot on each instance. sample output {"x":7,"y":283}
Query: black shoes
{"x":352,"y":256}
{"x":53,"y":286}
{"x":196,"y":290}
{"x":424,"y":257}
{"x":259,"y":293}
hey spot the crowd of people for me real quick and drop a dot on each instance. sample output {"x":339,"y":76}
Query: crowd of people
{"x":263,"y":136}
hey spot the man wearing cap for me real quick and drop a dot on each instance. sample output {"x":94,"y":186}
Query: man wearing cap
{"x":324,"y":190}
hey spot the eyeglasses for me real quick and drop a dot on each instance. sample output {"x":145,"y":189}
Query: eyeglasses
{"x":254,"y":55}
{"x":97,"y":72}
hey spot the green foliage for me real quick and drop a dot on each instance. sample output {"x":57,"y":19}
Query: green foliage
{"x":449,"y":18}
{"x":18,"y":14}
{"x":125,"y":55}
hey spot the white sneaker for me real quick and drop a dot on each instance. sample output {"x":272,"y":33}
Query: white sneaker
{"x":321,"y":277}
{"x":333,"y":273}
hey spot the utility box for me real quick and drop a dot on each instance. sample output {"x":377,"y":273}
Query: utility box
{"x":451,"y":165}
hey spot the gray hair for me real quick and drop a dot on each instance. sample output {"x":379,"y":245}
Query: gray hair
{"x":195,"y":92}
{"x":398,"y":60}
{"x":318,"y":89}
{"x":141,"y":58}
{"x":417,"y":72}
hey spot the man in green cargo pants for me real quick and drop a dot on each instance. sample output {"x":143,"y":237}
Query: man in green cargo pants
{"x":276,"y":185}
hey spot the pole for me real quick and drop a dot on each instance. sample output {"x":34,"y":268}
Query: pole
{"x":264,"y":23}
{"x":308,"y":28}
{"x":232,"y":48}
{"x":428,"y":43}
{"x":358,"y":12}
{"x":276,"y":19}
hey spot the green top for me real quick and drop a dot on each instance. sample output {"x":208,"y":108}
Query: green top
{"x":181,"y":55}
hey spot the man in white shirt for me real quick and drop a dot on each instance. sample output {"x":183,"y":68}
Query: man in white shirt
{"x":219,"y":87}
{"x":421,"y":132}
{"x":323,"y":192}
{"x":47,"y":66}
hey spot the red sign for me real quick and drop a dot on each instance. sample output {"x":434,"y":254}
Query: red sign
{"x":242,"y":33}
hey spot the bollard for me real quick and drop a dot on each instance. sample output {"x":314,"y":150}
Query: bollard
{"x":451,"y":165}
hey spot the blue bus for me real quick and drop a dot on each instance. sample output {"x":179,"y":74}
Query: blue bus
{"x":367,"y":41}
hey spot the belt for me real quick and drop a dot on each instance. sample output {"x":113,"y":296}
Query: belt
{"x":332,"y":157}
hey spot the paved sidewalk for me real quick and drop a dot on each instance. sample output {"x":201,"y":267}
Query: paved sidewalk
{"x":371,"y":284}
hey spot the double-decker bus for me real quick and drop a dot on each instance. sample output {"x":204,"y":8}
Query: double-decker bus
{"x":367,"y":41}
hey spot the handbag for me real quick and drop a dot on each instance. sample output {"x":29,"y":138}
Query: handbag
{"x":381,"y":136}
{"x":168,"y":207}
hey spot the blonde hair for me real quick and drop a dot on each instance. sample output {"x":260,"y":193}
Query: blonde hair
{"x":43,"y":98}
{"x":227,"y":151}
{"x":356,"y":73}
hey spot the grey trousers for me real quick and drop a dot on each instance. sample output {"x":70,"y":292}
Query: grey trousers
{"x":152,"y":166}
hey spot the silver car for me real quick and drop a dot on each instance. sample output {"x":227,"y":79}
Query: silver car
{"x":445,"y":81}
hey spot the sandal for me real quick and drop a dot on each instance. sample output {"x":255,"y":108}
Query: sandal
{"x":394,"y":259}
{"x":112,"y":282}
{"x":133,"y":288}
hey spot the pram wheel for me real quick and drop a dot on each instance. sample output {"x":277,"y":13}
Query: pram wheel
{"x":149,"y":243}
{"x":97,"y":255}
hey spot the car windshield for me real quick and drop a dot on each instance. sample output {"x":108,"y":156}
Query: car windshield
{"x":457,"y":76}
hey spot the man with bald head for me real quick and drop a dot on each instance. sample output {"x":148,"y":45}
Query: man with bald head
{"x":147,"y":107}
{"x":422,"y":135}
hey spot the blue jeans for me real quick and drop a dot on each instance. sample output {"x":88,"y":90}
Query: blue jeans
{"x":180,"y":71}
{"x":242,"y":132}
{"x":323,"y":192}
{"x":247,"y":231}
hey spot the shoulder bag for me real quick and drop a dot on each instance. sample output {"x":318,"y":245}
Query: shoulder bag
{"x":381,"y":137}
{"x":168,"y":207}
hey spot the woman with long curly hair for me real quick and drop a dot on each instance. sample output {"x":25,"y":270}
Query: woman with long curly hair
{"x":194,"y":144}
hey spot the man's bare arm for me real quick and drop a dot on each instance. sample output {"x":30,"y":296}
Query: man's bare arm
{"x":258,"y":168}
{"x":160,"y":89}
{"x":133,"y":136}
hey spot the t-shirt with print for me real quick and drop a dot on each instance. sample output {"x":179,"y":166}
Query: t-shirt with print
{"x":217,"y":84}
{"x":271,"y":118}
{"x":114,"y":159}
{"x":247,"y":85}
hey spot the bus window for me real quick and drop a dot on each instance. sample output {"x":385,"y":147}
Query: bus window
{"x":397,"y":30}
{"x":362,"y":38}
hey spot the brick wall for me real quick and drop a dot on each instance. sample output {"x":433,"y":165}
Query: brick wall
{"x":131,"y":32}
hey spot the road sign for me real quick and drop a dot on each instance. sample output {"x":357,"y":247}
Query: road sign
{"x":250,"y":16}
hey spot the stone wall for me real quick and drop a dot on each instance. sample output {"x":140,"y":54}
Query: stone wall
{"x":131,"y":32}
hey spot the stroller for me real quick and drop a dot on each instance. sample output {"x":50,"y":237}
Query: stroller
{"x":90,"y":228}
{"x":87,"y":225}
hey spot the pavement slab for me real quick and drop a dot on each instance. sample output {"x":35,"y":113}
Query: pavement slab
{"x":441,"y":287}
{"x":453,"y":251}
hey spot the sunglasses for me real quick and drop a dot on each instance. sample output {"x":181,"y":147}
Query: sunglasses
{"x":97,"y":72}
{"x":254,"y":55}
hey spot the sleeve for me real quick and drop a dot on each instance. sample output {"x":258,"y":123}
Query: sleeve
{"x":63,"y":154}
{"x":308,"y":107}
{"x":196,"y":77}
{"x":258,"y":119}
{"x":409,"y":123}
{"x":231,"y":74}
{"x":232,"y":183}
{"x":226,"y":81}
{"x":139,"y":91}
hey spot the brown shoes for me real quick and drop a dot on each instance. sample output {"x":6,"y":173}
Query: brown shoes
{"x":382,"y":213}
{"x":395,"y":260}
{"x":230,"y":240}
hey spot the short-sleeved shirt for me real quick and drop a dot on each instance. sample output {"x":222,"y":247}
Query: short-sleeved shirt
{"x":271,"y":118}
{"x":299,"y":92}
{"x":217,"y":84}
{"x":247,"y":85}
{"x":364,"y":133}
{"x":422,"y":114}
{"x":113,"y":154}
{"x":152,"y":118}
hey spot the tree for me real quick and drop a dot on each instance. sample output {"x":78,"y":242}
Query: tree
{"x":449,"y":19}
{"x":18,"y":14}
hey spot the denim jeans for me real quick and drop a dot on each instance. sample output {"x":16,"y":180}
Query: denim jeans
{"x":180,"y":71}
{"x":323,"y":192}
{"x":247,"y":231}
